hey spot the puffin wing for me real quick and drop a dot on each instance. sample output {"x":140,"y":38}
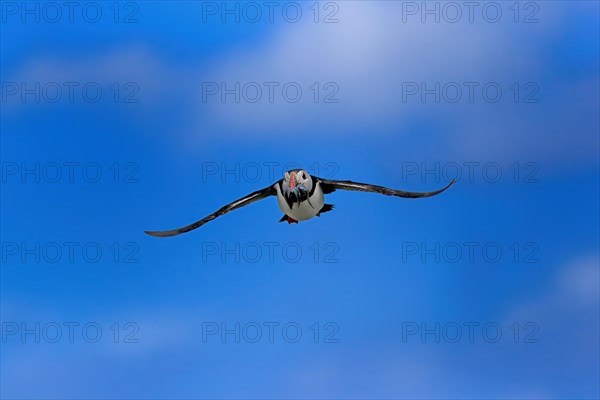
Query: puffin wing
{"x":244,"y":201}
{"x":329,"y":186}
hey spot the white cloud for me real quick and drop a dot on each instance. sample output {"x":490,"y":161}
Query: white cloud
{"x":575,"y":290}
{"x":579,"y":282}
{"x":368,"y":55}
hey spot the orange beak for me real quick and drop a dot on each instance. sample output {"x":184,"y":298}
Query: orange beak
{"x":292,"y":181}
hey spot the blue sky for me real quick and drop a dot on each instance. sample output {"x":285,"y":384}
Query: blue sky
{"x":370,"y":272}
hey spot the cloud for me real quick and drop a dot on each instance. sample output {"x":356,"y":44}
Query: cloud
{"x":371,"y":55}
{"x":575,"y":290}
{"x":123,"y":64}
{"x":567,"y":315}
{"x":580,"y":282}
{"x":364,"y":61}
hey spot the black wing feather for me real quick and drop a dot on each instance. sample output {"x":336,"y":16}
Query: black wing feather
{"x":330,"y":186}
{"x":244,"y":201}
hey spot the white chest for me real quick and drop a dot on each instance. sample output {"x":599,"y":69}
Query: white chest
{"x":304,"y":210}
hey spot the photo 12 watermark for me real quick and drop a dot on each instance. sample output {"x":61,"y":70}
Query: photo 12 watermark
{"x":469,"y":252}
{"x":266,"y":171}
{"x":288,"y":252}
{"x":452,"y":12}
{"x":269,"y":332}
{"x":289,"y":92}
{"x":68,"y":332}
{"x":252,"y":12}
{"x":518,"y":172}
{"x":72,"y":172}
{"x":469,"y":332}
{"x":68,"y":252}
{"x":70,"y":92}
{"x":470,"y":92}
{"x":54,"y":12}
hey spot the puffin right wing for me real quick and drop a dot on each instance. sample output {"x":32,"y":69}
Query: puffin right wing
{"x":329,"y":186}
{"x":244,"y":201}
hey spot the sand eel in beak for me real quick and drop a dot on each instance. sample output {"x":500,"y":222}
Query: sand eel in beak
{"x":301,"y":197}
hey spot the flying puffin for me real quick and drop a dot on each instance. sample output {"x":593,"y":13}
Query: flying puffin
{"x":300,"y":196}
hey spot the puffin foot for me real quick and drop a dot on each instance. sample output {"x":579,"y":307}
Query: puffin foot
{"x":291,"y":221}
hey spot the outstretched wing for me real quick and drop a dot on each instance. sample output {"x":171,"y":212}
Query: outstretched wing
{"x":244,"y":201}
{"x":329,"y":186}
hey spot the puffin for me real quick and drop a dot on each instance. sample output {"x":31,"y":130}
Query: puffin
{"x":300,"y":196}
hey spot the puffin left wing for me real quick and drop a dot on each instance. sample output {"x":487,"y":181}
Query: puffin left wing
{"x":329,"y":186}
{"x":244,"y":201}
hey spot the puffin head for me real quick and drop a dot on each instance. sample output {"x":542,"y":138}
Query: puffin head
{"x":297,"y":184}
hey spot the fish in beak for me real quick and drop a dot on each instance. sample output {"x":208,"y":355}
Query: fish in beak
{"x":295,"y":193}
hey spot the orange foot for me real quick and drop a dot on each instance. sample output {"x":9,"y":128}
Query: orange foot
{"x":291,"y":221}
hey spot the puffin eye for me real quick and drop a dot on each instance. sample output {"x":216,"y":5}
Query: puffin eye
{"x":303,"y":175}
